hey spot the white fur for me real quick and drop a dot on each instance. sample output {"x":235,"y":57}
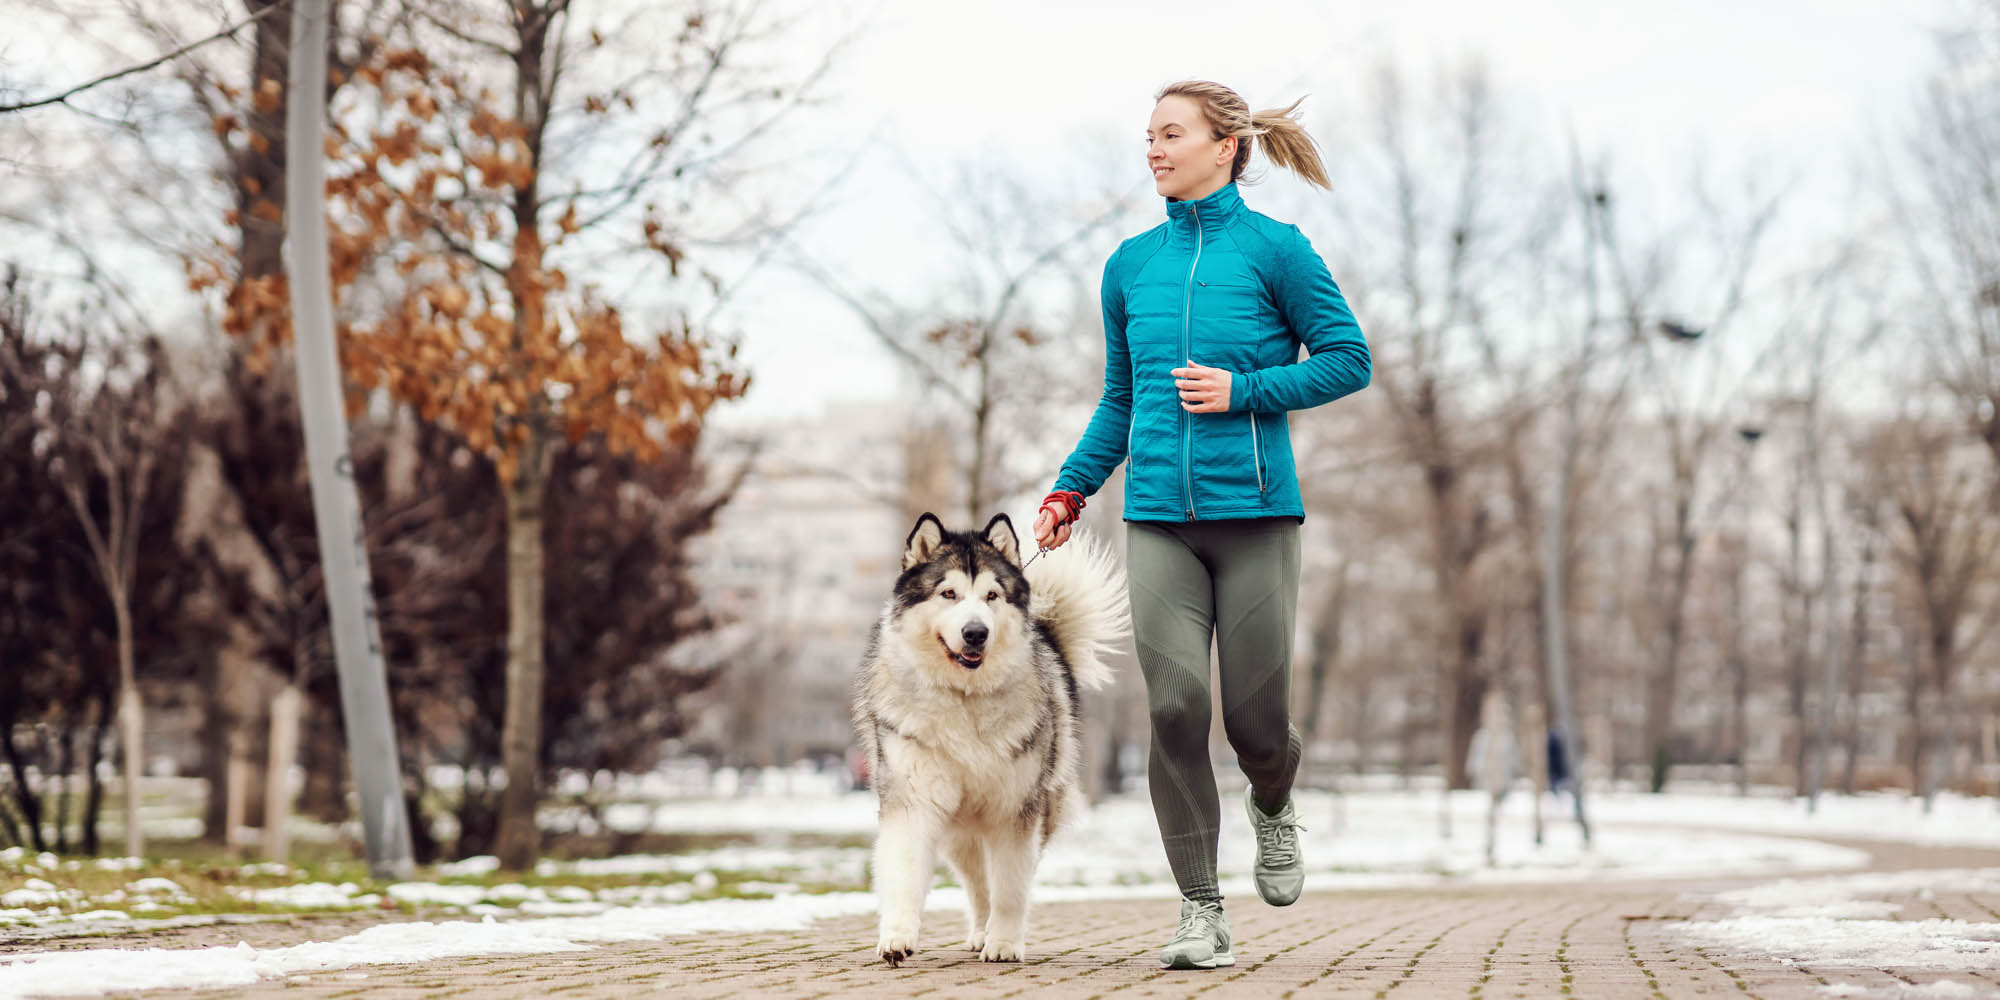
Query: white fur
{"x":950,"y":776}
{"x":1080,"y":590}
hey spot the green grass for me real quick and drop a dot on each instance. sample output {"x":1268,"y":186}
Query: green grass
{"x":207,"y":876}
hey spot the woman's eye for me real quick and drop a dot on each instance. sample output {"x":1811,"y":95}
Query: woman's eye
{"x":949,"y":594}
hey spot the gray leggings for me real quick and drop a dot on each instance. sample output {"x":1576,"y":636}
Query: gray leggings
{"x":1238,"y":582}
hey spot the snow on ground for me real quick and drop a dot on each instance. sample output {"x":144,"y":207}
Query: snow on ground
{"x":1369,"y":835}
{"x":107,"y":970}
{"x":1366,"y":838}
{"x":1847,"y":920}
{"x":1953,"y":821}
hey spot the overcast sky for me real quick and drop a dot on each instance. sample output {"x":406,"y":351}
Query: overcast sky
{"x":1061,"y":91}
{"x":1800,"y":89}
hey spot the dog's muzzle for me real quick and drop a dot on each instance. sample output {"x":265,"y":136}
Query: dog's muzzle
{"x":972,"y":651}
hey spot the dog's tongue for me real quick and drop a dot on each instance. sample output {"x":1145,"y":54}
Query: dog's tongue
{"x":971,"y":657}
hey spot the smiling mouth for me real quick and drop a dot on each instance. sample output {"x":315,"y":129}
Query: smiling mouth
{"x":968,"y":660}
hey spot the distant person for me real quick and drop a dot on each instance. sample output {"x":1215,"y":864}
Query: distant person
{"x":1495,"y":761}
{"x":1558,"y":763}
{"x":1204,"y":316}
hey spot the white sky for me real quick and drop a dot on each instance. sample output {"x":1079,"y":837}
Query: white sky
{"x":1800,"y":89}
{"x":1060,"y":92}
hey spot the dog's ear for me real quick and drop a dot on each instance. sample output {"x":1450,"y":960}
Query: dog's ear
{"x":924,"y":540}
{"x":1000,"y":534}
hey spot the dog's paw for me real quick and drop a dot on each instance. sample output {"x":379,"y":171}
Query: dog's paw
{"x":975,"y":941}
{"x":997,"y":950}
{"x":895,"y":946}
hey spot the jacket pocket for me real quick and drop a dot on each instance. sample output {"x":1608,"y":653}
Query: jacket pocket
{"x":1257,"y":455}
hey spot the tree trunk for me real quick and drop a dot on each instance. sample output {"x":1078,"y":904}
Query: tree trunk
{"x":217,"y":725}
{"x":1325,"y":653}
{"x":1857,"y":657}
{"x":1665,"y":682}
{"x":1914,"y":705}
{"x":64,"y":771}
{"x":236,"y":794}
{"x":260,"y":173}
{"x":131,"y":722}
{"x":1739,"y":677}
{"x":29,"y":798}
{"x":976,"y":500}
{"x":94,"y":797}
{"x":284,"y":752}
{"x":519,"y":840}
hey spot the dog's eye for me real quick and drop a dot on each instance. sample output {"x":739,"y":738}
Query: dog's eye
{"x":949,"y":594}
{"x":992,"y":595}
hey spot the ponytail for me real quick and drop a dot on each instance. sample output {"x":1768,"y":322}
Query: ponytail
{"x":1285,"y":140}
{"x":1287,"y":144}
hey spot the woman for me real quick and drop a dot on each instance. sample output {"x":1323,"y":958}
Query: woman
{"x":1203,"y":319}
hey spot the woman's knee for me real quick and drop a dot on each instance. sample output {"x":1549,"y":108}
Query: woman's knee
{"x":1180,"y":718}
{"x":1261,"y":741}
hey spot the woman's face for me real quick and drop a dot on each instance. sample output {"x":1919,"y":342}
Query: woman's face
{"x":1186,"y":163}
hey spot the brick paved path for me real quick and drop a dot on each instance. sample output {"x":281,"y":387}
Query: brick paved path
{"x":1592,"y":940}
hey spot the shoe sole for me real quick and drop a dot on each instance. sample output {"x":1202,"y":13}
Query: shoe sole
{"x":1216,"y":962}
{"x":1278,"y":902}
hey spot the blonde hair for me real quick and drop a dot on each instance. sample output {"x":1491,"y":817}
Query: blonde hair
{"x":1285,"y":140}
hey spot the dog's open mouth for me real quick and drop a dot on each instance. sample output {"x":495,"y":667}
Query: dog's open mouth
{"x":970,"y":659}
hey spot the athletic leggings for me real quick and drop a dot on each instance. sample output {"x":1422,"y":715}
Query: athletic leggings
{"x":1237,"y":581}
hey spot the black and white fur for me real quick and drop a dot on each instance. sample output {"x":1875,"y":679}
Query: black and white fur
{"x":966,"y":705}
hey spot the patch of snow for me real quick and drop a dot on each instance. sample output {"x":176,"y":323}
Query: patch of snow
{"x":304,"y":895}
{"x":155,"y":887}
{"x":481,"y":864}
{"x":1839,"y":920}
{"x":107,"y":970}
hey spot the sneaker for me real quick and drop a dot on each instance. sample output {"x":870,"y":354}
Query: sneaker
{"x":1280,"y":872}
{"x":1202,"y":941}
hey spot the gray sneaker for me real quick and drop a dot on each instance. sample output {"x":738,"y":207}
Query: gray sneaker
{"x":1280,"y":872}
{"x":1202,"y":941}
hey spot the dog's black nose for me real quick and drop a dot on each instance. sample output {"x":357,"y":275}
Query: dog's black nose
{"x":975,"y":635}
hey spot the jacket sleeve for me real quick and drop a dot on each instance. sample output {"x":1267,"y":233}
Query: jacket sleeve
{"x":1338,"y":361}
{"x":1106,"y":438}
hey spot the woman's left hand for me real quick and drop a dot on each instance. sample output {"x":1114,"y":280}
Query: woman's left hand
{"x":1203,"y":389}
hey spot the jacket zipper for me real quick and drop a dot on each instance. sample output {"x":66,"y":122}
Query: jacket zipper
{"x":1187,"y":420}
{"x":1256,"y":453}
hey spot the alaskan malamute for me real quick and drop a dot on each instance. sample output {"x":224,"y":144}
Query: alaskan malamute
{"x":966,"y":705}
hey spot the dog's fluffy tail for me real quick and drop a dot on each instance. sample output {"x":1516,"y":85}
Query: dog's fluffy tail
{"x":1079,"y":593}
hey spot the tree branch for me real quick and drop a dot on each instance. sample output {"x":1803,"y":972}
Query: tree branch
{"x":63,"y":98}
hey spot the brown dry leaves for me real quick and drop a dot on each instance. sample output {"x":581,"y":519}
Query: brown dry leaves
{"x":423,"y":174}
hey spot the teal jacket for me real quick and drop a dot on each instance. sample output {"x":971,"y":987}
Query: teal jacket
{"x":1229,"y":288}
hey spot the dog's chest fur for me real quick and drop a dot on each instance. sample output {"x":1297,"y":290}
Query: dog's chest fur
{"x":967,"y":755}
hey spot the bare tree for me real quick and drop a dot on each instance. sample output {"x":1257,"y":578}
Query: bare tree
{"x":1944,"y":543}
{"x":1428,"y":305}
{"x":117,"y":421}
{"x":1008,"y":318}
{"x":1951,"y":221}
{"x":1656,"y":289}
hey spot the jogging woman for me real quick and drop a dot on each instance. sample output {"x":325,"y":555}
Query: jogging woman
{"x":1203,"y":319}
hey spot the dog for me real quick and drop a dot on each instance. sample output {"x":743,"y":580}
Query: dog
{"x":966,"y":706}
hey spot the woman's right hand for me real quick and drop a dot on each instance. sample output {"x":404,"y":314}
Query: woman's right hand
{"x":1049,"y":534}
{"x":1059,"y":511}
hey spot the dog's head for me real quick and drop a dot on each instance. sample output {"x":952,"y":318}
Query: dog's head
{"x":962,"y":602}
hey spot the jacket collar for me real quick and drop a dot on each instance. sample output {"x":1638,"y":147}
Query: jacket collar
{"x":1215,"y":211}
